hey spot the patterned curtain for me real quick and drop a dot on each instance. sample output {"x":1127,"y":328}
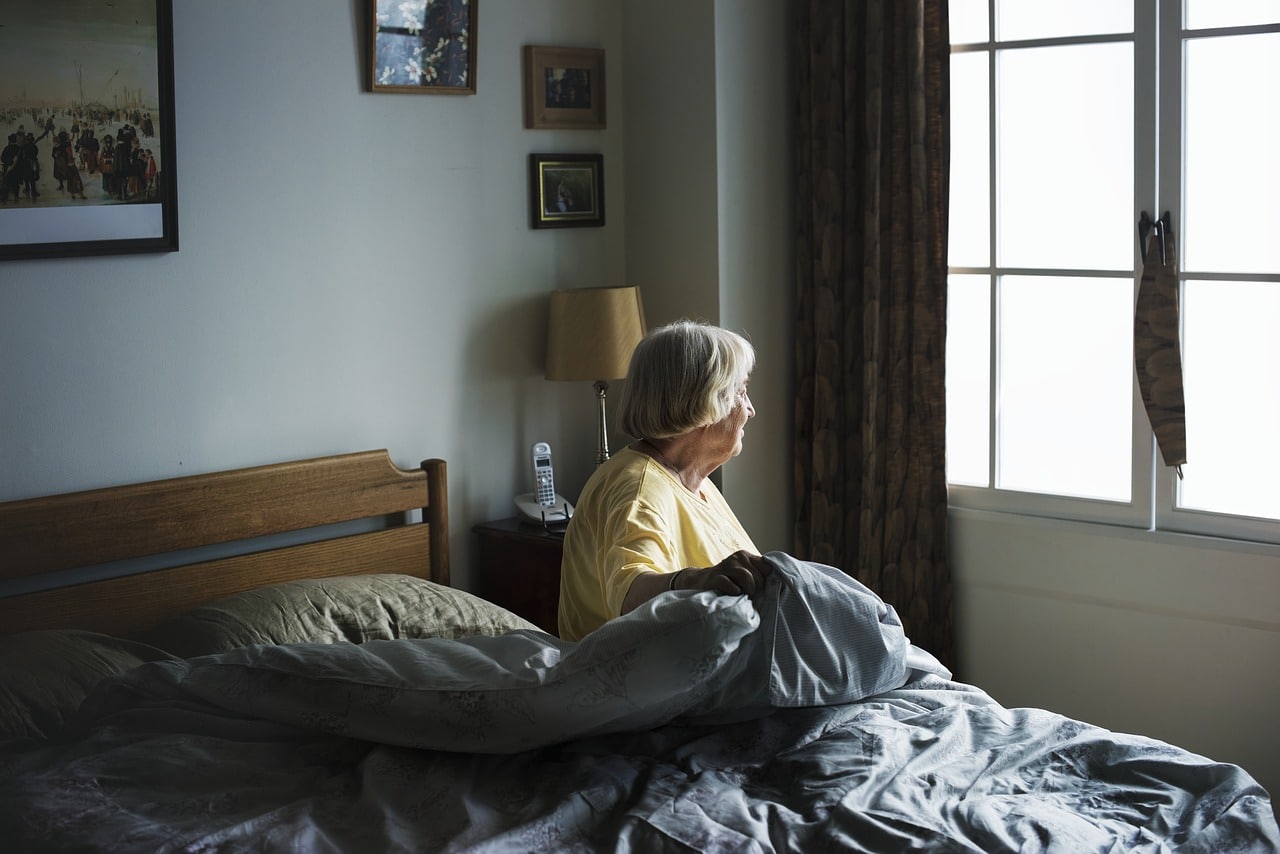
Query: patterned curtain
{"x":872,"y":148}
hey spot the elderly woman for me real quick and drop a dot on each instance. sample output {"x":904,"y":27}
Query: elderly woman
{"x":649,"y":520}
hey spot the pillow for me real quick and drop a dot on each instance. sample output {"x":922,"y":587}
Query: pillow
{"x":327,"y":610}
{"x":520,"y":691}
{"x":44,"y":676}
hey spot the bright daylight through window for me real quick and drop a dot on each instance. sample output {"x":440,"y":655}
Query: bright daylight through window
{"x":1068,"y":120}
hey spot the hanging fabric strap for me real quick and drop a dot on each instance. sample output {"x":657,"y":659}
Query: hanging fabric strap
{"x":1157,"y":351}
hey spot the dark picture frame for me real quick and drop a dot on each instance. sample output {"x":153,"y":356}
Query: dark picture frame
{"x":563,"y":88}
{"x":72,"y":76}
{"x":423,"y":46}
{"x":566,"y":190}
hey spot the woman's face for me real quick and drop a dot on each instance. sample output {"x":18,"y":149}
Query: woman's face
{"x":724,"y":438}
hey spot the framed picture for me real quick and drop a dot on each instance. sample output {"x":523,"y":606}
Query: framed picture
{"x":423,"y":46}
{"x":86,"y":125}
{"x":566,"y":190}
{"x":563,"y":87}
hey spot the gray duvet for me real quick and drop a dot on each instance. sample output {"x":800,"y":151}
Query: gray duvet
{"x":805,"y":721}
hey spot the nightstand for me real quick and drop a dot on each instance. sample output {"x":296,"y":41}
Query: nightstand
{"x":517,"y":566}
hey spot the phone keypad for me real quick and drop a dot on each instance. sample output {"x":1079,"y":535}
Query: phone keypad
{"x":546,"y":488}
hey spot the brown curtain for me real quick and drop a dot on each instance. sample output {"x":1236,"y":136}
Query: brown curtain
{"x":872,"y":148}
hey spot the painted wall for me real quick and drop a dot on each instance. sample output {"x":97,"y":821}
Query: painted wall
{"x":754,"y":161}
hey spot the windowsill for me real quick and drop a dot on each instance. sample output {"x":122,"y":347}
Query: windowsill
{"x":1178,"y":539}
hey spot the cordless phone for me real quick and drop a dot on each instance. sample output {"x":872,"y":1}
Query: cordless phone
{"x":543,"y":506}
{"x":544,"y":482}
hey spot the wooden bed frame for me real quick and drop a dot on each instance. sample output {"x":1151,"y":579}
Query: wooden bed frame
{"x":80,"y":530}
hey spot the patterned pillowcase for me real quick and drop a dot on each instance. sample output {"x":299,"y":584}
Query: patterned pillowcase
{"x":517,"y":692}
{"x":45,"y":675}
{"x":328,"y":610}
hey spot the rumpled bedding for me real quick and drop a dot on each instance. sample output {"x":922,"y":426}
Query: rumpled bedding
{"x":803,"y":721}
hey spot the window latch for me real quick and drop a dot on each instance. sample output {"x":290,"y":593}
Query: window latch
{"x":1160,"y":226}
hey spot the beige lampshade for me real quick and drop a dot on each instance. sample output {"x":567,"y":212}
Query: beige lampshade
{"x":592,"y":331}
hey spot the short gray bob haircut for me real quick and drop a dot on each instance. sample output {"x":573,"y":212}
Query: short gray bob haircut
{"x":683,"y":376}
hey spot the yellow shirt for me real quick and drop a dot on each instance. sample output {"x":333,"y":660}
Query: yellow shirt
{"x":635,"y":516}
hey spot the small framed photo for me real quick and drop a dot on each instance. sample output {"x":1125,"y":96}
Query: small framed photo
{"x":566,"y":190}
{"x":423,"y":46}
{"x":89,"y":162}
{"x":564,"y":88}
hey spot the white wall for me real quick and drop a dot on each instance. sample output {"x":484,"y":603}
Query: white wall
{"x":669,"y":94}
{"x":756,"y":216}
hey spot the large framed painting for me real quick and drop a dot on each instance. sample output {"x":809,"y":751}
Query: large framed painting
{"x":88,"y":162}
{"x":423,"y":46}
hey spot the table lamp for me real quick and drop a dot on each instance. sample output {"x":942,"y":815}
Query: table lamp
{"x":590,"y":335}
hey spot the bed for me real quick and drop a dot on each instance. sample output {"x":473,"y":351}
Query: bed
{"x":273,"y":659}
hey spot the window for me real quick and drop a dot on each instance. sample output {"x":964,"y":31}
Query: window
{"x":1068,"y":121}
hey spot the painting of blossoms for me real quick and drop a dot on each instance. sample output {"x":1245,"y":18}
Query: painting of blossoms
{"x":424,"y":46}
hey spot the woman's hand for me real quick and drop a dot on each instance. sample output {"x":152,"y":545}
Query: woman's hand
{"x":741,"y":573}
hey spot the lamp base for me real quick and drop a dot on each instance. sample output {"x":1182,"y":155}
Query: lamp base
{"x":602,"y":443}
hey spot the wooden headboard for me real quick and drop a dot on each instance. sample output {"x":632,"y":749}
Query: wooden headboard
{"x":49,"y":536}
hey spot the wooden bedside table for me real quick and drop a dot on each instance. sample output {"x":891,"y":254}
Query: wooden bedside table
{"x":518,"y":567}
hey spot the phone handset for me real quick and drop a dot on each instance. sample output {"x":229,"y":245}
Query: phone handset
{"x":544,"y":506}
{"x":544,"y":480}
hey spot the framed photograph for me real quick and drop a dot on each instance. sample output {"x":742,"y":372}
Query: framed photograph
{"x":566,"y":190}
{"x":88,"y":162}
{"x":563,"y":87}
{"x":423,"y":46}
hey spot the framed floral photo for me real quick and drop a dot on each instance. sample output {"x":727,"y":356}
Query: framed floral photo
{"x":423,"y":46}
{"x":566,"y":190}
{"x":564,"y":88}
{"x":87,"y":146}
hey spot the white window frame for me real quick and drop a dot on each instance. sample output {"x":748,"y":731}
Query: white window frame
{"x":1158,"y":105}
{"x":1167,"y":516}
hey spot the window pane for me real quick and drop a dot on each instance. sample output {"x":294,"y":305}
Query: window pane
{"x":1065,"y":154}
{"x":1065,"y":386}
{"x":1202,"y":14}
{"x":1231,"y":379}
{"x":967,"y":20}
{"x":969,"y":380}
{"x":969,"y":235}
{"x":1033,"y":19}
{"x":1232,"y":171}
